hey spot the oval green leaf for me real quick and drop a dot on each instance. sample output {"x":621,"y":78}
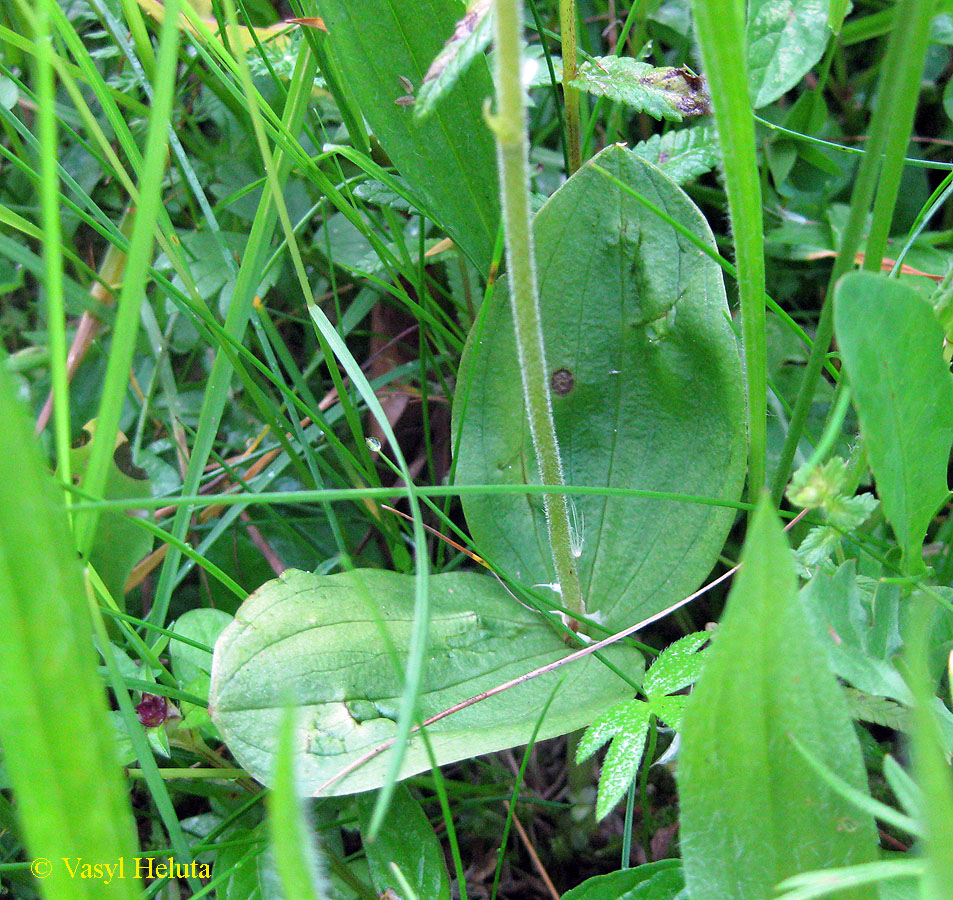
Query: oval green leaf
{"x":336,"y":645}
{"x":891,"y":343}
{"x":646,"y":392}
{"x":786,"y":38}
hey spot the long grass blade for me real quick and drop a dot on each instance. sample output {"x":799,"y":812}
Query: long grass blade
{"x":721,"y":33}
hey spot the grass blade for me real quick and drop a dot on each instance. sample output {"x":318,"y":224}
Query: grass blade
{"x":721,"y":33}
{"x":54,"y":722}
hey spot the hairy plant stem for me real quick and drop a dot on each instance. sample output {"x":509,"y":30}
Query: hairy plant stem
{"x":567,"y":31}
{"x":721,"y":33}
{"x":898,"y":92}
{"x":509,"y":125}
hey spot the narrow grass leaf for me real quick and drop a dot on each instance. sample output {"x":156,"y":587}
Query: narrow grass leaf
{"x":255,"y":256}
{"x":753,"y":810}
{"x":721,"y":36}
{"x":296,"y":860}
{"x":836,"y":14}
{"x":54,"y":722}
{"x":931,"y":764}
{"x":897,"y":90}
{"x":891,"y":344}
{"x":861,"y":799}
{"x":126,"y":325}
{"x":876,"y":876}
{"x":905,"y":789}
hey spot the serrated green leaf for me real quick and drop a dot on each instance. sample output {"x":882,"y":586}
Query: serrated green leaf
{"x":785,"y":40}
{"x":631,"y":313}
{"x":818,"y":545}
{"x":669,"y":709}
{"x":890,"y":343}
{"x":683,"y":155}
{"x":626,"y":725}
{"x":677,"y":666}
{"x":407,"y":840}
{"x":622,"y":760}
{"x":664,"y":93}
{"x":879,"y":710}
{"x":619,"y":720}
{"x":336,"y":646}
{"x":753,"y":811}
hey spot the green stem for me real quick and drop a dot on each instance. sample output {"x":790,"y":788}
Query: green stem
{"x":905,"y":68}
{"x":512,"y":152}
{"x":567,"y":30}
{"x":721,"y":34}
{"x":898,"y":91}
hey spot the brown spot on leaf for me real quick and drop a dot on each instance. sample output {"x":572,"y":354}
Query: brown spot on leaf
{"x":562,"y":381}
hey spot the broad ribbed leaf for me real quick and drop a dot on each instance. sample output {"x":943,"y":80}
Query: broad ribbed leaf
{"x":646,"y":394}
{"x":336,"y":646}
{"x":753,"y":810}
{"x":448,"y":158}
